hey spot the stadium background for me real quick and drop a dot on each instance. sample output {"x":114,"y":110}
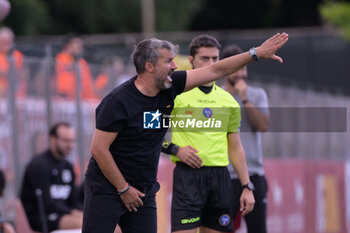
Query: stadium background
{"x":308,"y":170}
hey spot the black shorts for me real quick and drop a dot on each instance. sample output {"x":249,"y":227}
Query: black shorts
{"x":201,"y":197}
{"x":103,"y":209}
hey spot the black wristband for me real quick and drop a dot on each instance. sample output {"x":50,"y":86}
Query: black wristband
{"x":170,"y":148}
{"x":174,"y":149}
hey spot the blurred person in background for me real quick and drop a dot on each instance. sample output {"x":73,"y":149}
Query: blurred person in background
{"x":68,"y":62}
{"x":39,"y":142}
{"x":111,"y":76}
{"x":255,"y":119}
{"x":5,"y":227}
{"x":5,"y":7}
{"x":207,"y":197}
{"x":9,"y":54}
{"x":121,"y":179}
{"x":49,"y":179}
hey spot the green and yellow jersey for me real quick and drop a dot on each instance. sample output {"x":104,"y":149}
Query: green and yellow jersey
{"x":203,"y":120}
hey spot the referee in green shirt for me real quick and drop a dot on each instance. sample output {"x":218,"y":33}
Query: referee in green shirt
{"x":205,"y":126}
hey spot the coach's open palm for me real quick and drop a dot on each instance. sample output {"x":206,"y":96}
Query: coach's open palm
{"x":270,"y":46}
{"x":131,"y":199}
{"x":247,"y":201}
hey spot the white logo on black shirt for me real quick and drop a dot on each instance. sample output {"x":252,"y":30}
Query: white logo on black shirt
{"x":66,"y":176}
{"x":60,"y":191}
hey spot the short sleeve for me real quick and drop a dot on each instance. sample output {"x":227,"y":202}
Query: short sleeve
{"x":235,"y":120}
{"x":111,"y":115}
{"x":179,"y":81}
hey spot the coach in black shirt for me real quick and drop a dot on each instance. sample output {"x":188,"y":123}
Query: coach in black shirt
{"x":120,"y":184}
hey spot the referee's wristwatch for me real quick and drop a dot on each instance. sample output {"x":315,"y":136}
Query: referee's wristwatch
{"x":249,"y":186}
{"x":253,"y":52}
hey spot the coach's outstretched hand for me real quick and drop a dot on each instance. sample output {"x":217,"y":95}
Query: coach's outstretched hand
{"x":270,"y":46}
{"x":247,"y":201}
{"x":131,"y":199}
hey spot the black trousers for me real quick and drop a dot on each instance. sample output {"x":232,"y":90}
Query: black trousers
{"x":255,"y":220}
{"x":103,"y":209}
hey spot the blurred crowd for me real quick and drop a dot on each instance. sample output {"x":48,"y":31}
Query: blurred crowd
{"x":66,"y":74}
{"x":67,"y":69}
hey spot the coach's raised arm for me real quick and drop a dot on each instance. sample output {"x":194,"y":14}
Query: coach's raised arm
{"x":232,"y":64}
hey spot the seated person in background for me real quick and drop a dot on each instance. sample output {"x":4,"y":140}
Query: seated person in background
{"x":4,"y":226}
{"x":52,"y":176}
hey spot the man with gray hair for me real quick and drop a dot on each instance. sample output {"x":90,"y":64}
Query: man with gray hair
{"x":121,"y":179}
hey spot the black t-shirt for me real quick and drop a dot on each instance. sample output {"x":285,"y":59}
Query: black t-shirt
{"x":136,"y":150}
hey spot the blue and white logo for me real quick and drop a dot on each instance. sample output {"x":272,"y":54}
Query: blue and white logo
{"x":224,"y":220}
{"x":151,"y":120}
{"x":207,"y":112}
